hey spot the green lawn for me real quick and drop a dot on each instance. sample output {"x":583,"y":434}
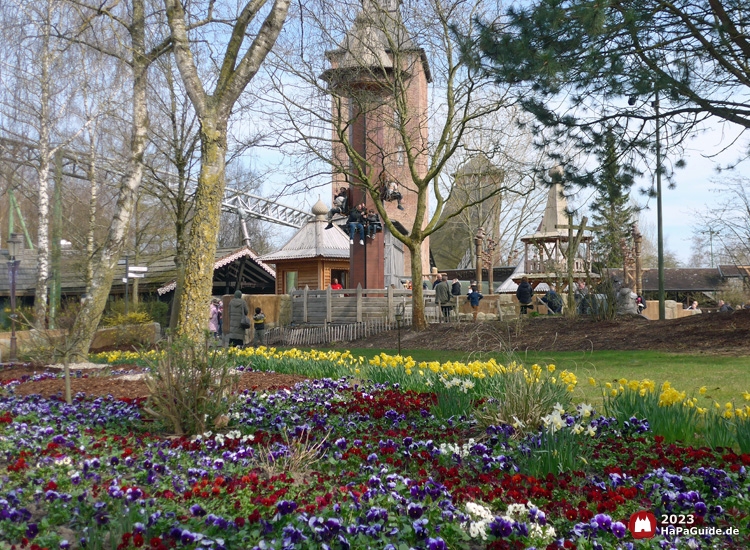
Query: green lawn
{"x":726,"y":378}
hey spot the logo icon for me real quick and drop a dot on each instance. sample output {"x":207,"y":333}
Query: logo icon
{"x":642,"y":525}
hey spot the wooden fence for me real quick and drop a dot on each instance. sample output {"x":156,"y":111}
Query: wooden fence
{"x":326,"y":334}
{"x":342,"y":307}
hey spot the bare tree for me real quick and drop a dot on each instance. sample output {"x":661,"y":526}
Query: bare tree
{"x":236,"y":68}
{"x":41,"y":100}
{"x":129,"y":25}
{"x":724,"y":227}
{"x":354,"y":105}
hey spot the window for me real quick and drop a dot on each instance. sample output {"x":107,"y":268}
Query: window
{"x":290,"y":282}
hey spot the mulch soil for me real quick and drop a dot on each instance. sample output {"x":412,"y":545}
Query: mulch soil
{"x":710,"y":334}
{"x":100,"y":382}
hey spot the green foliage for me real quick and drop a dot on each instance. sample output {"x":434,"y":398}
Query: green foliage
{"x":131,"y":318}
{"x":718,"y":431}
{"x":133,"y":329}
{"x":454,"y":397}
{"x":610,"y":209}
{"x":519,"y":401}
{"x":670,"y":413}
{"x":190,"y":386}
{"x":742,"y":430}
{"x":558,"y":448}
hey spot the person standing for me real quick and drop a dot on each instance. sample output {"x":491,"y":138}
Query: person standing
{"x":335,"y":284}
{"x":582,"y":298}
{"x":443,"y":297}
{"x":474,"y":296}
{"x":525,"y":295}
{"x":214,"y":317}
{"x":237,"y":311}
{"x":259,"y":327}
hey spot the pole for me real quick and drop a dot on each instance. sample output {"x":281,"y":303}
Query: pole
{"x":127,"y":273}
{"x":659,"y":220}
{"x":12,"y":268}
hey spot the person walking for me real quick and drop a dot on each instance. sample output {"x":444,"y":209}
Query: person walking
{"x":214,"y":317}
{"x":259,"y":327}
{"x":525,"y":295}
{"x":443,"y":297}
{"x":474,"y":296}
{"x":238,"y":310}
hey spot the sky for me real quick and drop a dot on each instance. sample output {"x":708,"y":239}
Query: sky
{"x":694,"y":192}
{"x":695,"y":187}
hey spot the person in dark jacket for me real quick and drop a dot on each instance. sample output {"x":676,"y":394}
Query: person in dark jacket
{"x":356,"y":223}
{"x":474,"y":296}
{"x":553,"y":301}
{"x":525,"y":295}
{"x":443,"y":298}
{"x":456,"y":287}
{"x":237,"y":310}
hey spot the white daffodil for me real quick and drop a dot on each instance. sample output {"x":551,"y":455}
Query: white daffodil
{"x":517,"y":423}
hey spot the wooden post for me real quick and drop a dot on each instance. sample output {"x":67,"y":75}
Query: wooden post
{"x":304,"y":303}
{"x":571,"y":264}
{"x":390,"y":304}
{"x":328,"y":305}
{"x":359,"y":303}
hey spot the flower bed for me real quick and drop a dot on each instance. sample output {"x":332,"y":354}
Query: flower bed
{"x":342,"y":463}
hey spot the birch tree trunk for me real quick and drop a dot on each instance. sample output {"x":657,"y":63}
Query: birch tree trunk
{"x":45,"y":156}
{"x":213,"y":110}
{"x":104,"y":264}
{"x":93,"y":204}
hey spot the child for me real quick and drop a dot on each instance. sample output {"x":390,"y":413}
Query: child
{"x":259,"y":324}
{"x":474,"y":296}
{"x":373,"y":223}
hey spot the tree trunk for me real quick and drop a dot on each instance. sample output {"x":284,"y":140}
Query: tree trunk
{"x":42,"y":246}
{"x":105,"y":263}
{"x":93,"y":204}
{"x":417,"y":296}
{"x":201,"y":246}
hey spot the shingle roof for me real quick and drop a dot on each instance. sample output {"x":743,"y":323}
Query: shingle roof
{"x":679,"y":279}
{"x":311,"y":241}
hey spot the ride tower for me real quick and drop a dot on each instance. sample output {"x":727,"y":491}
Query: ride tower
{"x":378,"y":83}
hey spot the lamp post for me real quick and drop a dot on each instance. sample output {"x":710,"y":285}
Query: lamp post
{"x":399,"y":318}
{"x":478,"y":240}
{"x":14,"y":247}
{"x":659,"y":218}
{"x":711,"y":234}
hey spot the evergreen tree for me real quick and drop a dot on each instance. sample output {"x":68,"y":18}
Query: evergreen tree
{"x":611,"y":210}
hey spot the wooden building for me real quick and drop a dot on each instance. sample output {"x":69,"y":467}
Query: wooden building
{"x":313,"y":256}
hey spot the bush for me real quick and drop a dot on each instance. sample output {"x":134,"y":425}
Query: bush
{"x":521,"y":397}
{"x":131,"y":329}
{"x":190,"y":386}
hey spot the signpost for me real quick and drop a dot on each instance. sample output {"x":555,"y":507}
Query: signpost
{"x":131,"y":272}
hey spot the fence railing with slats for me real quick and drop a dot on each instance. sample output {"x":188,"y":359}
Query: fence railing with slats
{"x":326,"y":334}
{"x":320,"y":307}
